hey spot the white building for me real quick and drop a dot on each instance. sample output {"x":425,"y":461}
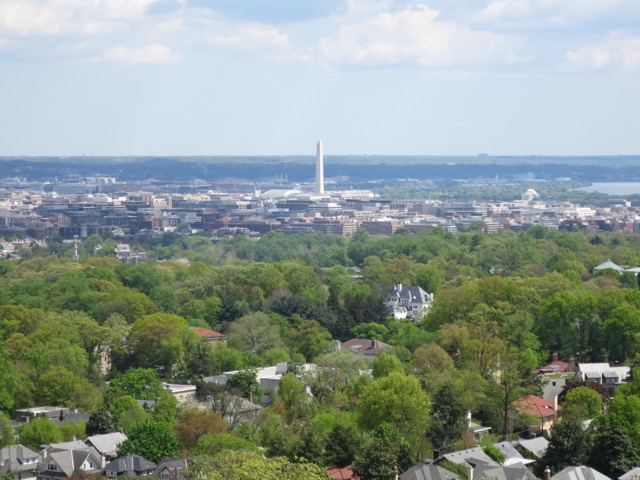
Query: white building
{"x":408,"y":301}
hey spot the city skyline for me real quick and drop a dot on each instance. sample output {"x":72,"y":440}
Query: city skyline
{"x":382,"y":77}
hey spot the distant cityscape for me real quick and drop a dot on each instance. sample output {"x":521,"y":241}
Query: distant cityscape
{"x":76,"y":206}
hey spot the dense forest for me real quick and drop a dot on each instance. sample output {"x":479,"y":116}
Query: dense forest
{"x":503,"y":303}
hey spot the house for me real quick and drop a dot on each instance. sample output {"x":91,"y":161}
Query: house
{"x":511,"y":454}
{"x":129,"y":466}
{"x":19,"y":462}
{"x":475,"y":428}
{"x":55,"y":414}
{"x":516,"y":471}
{"x":633,"y":474}
{"x":171,"y":468}
{"x":604,"y":374}
{"x":558,"y":366}
{"x":63,"y":463}
{"x":268,"y":377}
{"x":534,"y":446}
{"x":408,"y":301}
{"x":537,"y":413}
{"x":369,"y":349}
{"x":470,"y":456}
{"x":428,"y":472}
{"x":210,"y":336}
{"x":106,"y":444}
{"x":581,"y":473}
{"x":184,"y":393}
{"x":342,"y":473}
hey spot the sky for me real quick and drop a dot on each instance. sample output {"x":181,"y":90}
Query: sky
{"x":271,"y":77}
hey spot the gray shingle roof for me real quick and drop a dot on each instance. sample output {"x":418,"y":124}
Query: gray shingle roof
{"x":471,"y":455}
{"x":428,"y":472}
{"x":107,"y":443}
{"x":129,"y":466}
{"x":537,"y":446}
{"x":18,"y":458}
{"x":579,"y":473}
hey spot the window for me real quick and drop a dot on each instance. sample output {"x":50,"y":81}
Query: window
{"x":52,"y":467}
{"x":553,"y":384}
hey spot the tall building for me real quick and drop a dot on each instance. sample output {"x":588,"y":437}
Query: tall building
{"x":319,"y":169}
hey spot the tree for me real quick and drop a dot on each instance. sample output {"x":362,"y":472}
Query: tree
{"x":7,"y":434}
{"x":570,"y":444}
{"x":292,"y":394}
{"x":59,"y":386}
{"x":38,"y":432}
{"x":72,"y":430}
{"x":100,"y":422}
{"x":246,"y":381}
{"x":254,"y":333}
{"x":215,"y":443}
{"x":384,"y":364}
{"x":140,"y":383}
{"x":583,"y":401}
{"x":9,"y":381}
{"x":342,"y":445}
{"x":308,"y":337}
{"x":151,"y":440}
{"x":398,"y":400}
{"x":195,"y":424}
{"x":449,"y":415}
{"x":613,"y":452}
{"x":383,"y":456}
{"x":243,"y":465}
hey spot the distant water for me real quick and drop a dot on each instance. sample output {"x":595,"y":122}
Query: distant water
{"x":614,"y":188}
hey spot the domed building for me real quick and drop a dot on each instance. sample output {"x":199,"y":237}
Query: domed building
{"x":529,"y":195}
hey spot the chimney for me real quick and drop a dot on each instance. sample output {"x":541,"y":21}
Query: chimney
{"x":251,"y":397}
{"x":547,"y":474}
{"x":469,"y":418}
{"x":554,"y":357}
{"x":555,"y":403}
{"x":572,"y":363}
{"x":436,"y":454}
{"x":470,"y":472}
{"x":373,"y":343}
{"x":103,"y":461}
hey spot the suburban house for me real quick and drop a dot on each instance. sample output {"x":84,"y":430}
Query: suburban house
{"x":369,"y":349}
{"x":604,"y":374}
{"x":582,"y":473}
{"x":428,"y":472}
{"x":63,"y":463}
{"x":171,"y":468}
{"x":55,"y":414}
{"x":106,"y":444}
{"x":342,"y":473}
{"x":129,"y":466}
{"x":408,"y":301}
{"x":19,"y":462}
{"x":480,"y":466}
{"x":532,"y":446}
{"x":210,"y":336}
{"x":536,"y":413}
{"x":268,"y":377}
{"x":184,"y":393}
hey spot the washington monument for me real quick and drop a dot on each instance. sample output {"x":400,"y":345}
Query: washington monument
{"x":319,"y":169}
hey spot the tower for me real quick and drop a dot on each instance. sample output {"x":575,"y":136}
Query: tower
{"x":319,"y":169}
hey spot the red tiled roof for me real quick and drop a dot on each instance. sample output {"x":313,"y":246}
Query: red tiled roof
{"x":555,"y":367}
{"x":342,"y":473}
{"x":206,"y":333}
{"x":534,"y":405}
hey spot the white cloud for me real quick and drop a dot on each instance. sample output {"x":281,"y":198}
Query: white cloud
{"x":416,"y":36}
{"x":557,"y":13}
{"x":149,"y":54}
{"x":252,"y":38}
{"x":620,"y":52}
{"x":67,"y":17}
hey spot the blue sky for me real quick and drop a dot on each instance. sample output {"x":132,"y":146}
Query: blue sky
{"x":270,"y":77}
